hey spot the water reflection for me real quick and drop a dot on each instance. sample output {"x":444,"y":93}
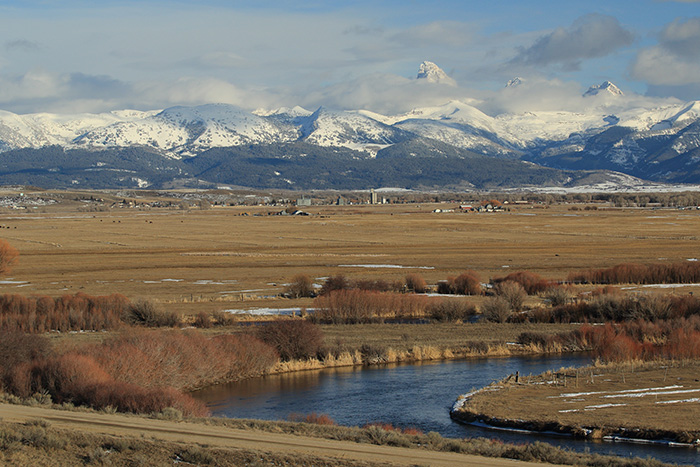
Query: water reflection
{"x":416,"y":395}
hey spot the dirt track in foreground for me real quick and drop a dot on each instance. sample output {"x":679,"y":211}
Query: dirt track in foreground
{"x":182,"y":432}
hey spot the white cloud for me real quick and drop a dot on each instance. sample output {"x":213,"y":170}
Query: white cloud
{"x":672,"y":67}
{"x":590,"y":36}
{"x":682,"y":37}
{"x":383,"y":93}
{"x":657,"y":66}
{"x":436,"y":33}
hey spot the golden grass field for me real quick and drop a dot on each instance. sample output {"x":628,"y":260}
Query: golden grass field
{"x":218,"y":259}
{"x":648,"y":396}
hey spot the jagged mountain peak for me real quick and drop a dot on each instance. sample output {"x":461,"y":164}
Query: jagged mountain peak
{"x":515,"y":82}
{"x":606,"y":87}
{"x":432,"y":73}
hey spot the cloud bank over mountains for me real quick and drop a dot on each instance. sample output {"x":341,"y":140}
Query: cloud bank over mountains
{"x":74,"y":56}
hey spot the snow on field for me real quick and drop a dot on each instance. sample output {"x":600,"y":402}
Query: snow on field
{"x":267,"y":311}
{"x":603,"y":406}
{"x":681,"y":401}
{"x":652,"y":393}
{"x":625,"y":391}
{"x":11,"y":282}
{"x":379,"y":266}
{"x":660,"y":286}
{"x":214,"y":282}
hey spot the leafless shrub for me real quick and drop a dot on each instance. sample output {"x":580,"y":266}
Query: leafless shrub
{"x":513,"y":293}
{"x":359,"y":306}
{"x":496,"y":309}
{"x":531,"y":282}
{"x":452,"y":310}
{"x":293,"y":339}
{"x":146,"y":313}
{"x":301,"y":286}
{"x":558,"y":295}
{"x":8,"y":257}
{"x":416,"y":283}
{"x":467,"y":283}
{"x":202,"y":320}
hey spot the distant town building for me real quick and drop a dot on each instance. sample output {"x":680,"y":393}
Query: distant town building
{"x":372,"y":196}
{"x":303,"y":201}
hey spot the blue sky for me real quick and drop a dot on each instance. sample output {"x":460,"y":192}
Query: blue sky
{"x":86,"y":56}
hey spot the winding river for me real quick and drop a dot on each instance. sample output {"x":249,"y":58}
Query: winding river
{"x":415,"y":395}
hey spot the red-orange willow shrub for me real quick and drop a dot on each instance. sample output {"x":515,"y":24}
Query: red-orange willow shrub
{"x":80,"y":380}
{"x":361,"y":306}
{"x":642,"y":340}
{"x":313,"y":417}
{"x":467,"y":283}
{"x":616,"y":307}
{"x":632,"y":273}
{"x":181,"y":359}
{"x":142,"y":372}
{"x":66,"y":313}
{"x":531,"y":282}
{"x":293,"y":339}
{"x":8,"y":256}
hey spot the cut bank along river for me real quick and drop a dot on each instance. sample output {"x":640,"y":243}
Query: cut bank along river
{"x":416,"y":395}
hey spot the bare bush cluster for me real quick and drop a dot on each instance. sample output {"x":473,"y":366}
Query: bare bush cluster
{"x":293,"y":339}
{"x":452,"y":310}
{"x":615,"y":307}
{"x":416,"y":283}
{"x":66,"y":313}
{"x":633,"y":273}
{"x":496,"y":309}
{"x":513,"y":293}
{"x":8,"y":256}
{"x":300,"y":287}
{"x":359,"y":306}
{"x":532,"y":283}
{"x":147,"y":313}
{"x":467,"y":283}
{"x":142,"y":372}
{"x":641,"y":340}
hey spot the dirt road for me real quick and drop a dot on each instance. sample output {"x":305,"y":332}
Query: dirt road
{"x":182,"y":432}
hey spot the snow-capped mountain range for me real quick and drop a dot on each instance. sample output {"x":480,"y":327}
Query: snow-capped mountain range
{"x":660,"y":144}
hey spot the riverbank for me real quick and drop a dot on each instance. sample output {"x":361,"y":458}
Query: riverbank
{"x":377,"y":344}
{"x":45,"y":436}
{"x":634,"y":402}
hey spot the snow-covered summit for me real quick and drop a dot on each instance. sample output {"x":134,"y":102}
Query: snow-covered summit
{"x":432,"y":73}
{"x":515,"y":82}
{"x":606,"y":87}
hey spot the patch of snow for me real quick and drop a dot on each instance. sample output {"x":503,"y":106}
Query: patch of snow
{"x":682,"y":401}
{"x":651,"y":393}
{"x":267,"y":311}
{"x":659,"y":286}
{"x":603,"y":406}
{"x":380,"y":266}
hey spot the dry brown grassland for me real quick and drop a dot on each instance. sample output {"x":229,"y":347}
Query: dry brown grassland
{"x":216,"y":259}
{"x":651,"y":400}
{"x":194,"y":261}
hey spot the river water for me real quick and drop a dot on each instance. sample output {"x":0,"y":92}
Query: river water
{"x":416,"y":395}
